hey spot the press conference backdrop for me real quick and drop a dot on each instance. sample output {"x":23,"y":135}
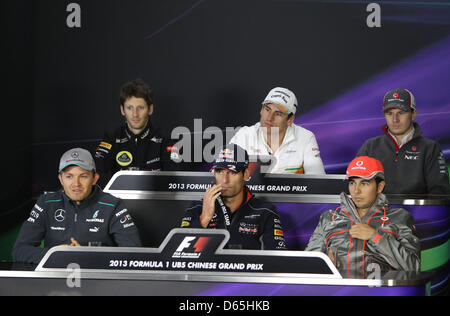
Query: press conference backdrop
{"x":213,"y":60}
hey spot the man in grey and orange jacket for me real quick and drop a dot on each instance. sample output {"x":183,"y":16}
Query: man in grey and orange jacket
{"x":364,"y":233}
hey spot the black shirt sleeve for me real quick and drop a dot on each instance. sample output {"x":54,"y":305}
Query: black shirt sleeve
{"x":436,"y":173}
{"x":104,"y":159}
{"x":27,"y":247}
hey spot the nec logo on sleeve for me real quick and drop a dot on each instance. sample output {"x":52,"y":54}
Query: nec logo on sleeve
{"x":191,"y":247}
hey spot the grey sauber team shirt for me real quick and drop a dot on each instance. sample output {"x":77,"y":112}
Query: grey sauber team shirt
{"x":416,"y":167}
{"x":55,"y":219}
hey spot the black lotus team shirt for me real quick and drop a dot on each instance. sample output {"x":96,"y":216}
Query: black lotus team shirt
{"x":55,"y":218}
{"x":418,"y":167}
{"x":123,"y":150}
{"x":255,"y":225}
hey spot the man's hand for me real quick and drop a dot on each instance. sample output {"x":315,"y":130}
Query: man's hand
{"x":209,"y":200}
{"x":332,"y":254}
{"x":362,"y":231}
{"x":73,"y":243}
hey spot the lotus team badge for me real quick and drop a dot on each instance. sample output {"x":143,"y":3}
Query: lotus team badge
{"x":124,"y":158}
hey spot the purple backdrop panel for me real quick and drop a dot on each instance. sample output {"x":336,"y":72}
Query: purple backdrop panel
{"x":344,"y":124}
{"x":250,"y":289}
{"x":300,"y":220}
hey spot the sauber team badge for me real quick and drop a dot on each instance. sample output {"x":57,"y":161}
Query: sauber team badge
{"x":124,"y":158}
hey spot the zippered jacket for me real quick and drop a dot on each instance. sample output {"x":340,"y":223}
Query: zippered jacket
{"x":418,"y":167}
{"x":394,"y":245}
{"x":255,"y":225}
{"x":55,"y":219}
{"x":298,"y":154}
{"x":123,"y":150}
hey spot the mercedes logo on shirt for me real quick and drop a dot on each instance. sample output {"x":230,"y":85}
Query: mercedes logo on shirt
{"x":60,"y":215}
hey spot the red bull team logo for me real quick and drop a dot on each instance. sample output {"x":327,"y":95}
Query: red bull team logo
{"x":227,"y":154}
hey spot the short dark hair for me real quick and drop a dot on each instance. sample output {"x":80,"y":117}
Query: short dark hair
{"x":378,"y":180}
{"x":136,"y":88}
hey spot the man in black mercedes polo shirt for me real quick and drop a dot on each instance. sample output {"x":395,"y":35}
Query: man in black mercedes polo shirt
{"x":78,"y":215}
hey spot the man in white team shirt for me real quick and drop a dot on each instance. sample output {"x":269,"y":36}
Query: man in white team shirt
{"x":295,"y":148}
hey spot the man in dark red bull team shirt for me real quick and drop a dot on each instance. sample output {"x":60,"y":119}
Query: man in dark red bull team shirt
{"x":230,"y":205}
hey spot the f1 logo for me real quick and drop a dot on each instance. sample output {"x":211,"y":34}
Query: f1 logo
{"x":198,"y":246}
{"x":201,"y":243}
{"x":186,"y":243}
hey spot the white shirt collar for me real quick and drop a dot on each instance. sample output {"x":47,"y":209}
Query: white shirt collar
{"x":405,"y":139}
{"x":290,"y":136}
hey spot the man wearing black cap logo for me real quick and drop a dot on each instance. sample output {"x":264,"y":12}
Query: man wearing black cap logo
{"x":413,"y":164}
{"x":230,"y":205}
{"x":78,"y":215}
